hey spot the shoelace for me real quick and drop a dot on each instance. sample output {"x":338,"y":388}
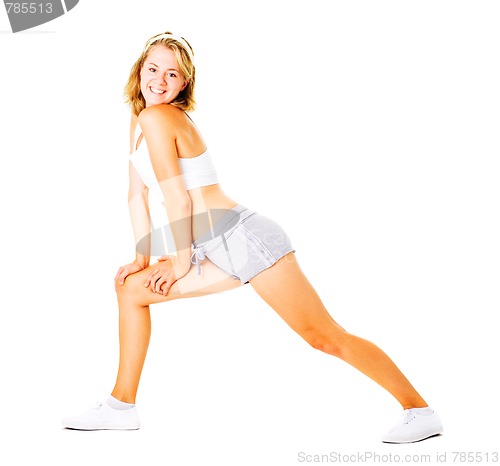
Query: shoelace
{"x":198,"y":256}
{"x":408,"y":416}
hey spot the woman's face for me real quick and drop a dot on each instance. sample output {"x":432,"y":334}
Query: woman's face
{"x":161,"y":80}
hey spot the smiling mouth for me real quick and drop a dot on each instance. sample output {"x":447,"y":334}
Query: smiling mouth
{"x":156,"y":91}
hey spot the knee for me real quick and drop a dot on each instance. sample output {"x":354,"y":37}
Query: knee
{"x":332,"y":343}
{"x":129,"y":288}
{"x":134,"y":292}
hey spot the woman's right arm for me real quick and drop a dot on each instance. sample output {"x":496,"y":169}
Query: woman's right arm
{"x":139,"y":215}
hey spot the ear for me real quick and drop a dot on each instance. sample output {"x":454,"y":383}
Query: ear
{"x":186,"y":82}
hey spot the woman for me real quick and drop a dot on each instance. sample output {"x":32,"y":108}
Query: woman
{"x":219,"y":245}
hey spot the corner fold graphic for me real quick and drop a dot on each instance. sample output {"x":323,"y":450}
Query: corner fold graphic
{"x":27,"y":15}
{"x":70,"y":4}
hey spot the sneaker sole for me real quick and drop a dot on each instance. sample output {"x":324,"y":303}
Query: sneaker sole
{"x":428,"y":434}
{"x":102,"y":428}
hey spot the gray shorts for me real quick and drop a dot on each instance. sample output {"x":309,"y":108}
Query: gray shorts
{"x":242,"y":242}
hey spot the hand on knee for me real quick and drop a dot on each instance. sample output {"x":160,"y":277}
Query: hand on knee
{"x":130,"y":289}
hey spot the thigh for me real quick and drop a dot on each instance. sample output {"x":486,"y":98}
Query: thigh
{"x":288,"y":291}
{"x":211,"y":280}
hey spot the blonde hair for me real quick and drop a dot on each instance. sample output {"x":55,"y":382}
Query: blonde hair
{"x":183,"y":53}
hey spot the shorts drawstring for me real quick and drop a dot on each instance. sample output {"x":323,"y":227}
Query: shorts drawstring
{"x":198,"y":255}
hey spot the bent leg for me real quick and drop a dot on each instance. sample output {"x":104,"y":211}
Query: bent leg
{"x":135,"y":321}
{"x":286,"y":289}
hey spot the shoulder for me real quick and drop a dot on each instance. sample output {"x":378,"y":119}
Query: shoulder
{"x":160,"y":116}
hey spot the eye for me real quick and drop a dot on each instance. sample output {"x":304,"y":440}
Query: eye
{"x":172,"y":75}
{"x":153,"y":70}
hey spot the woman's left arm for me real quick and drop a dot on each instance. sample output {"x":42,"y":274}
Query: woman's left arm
{"x":158,"y":125}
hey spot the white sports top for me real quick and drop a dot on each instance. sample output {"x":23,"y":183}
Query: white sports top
{"x":196,"y":171}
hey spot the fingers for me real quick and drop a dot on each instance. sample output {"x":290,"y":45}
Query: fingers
{"x":160,"y":280}
{"x":121,"y":275}
{"x":164,"y":279}
{"x":165,"y":288}
{"x":162,"y":284}
{"x":151,"y":278}
{"x":125,"y":271}
{"x":159,"y":275}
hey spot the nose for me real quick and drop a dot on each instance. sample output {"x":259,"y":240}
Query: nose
{"x":161,"y":79}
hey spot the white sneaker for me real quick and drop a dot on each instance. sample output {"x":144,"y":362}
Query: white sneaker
{"x":414,"y":427}
{"x":104,"y":417}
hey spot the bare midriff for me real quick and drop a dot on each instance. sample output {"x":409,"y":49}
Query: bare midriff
{"x":203,"y":200}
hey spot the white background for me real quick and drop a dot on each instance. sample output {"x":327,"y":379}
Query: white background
{"x":368,"y":130}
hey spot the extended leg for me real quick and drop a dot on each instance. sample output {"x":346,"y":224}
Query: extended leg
{"x":286,"y":289}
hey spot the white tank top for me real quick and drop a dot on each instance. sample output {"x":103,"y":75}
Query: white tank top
{"x":196,"y":171}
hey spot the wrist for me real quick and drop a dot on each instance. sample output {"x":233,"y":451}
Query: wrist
{"x":142,"y":261}
{"x":182,"y":264}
